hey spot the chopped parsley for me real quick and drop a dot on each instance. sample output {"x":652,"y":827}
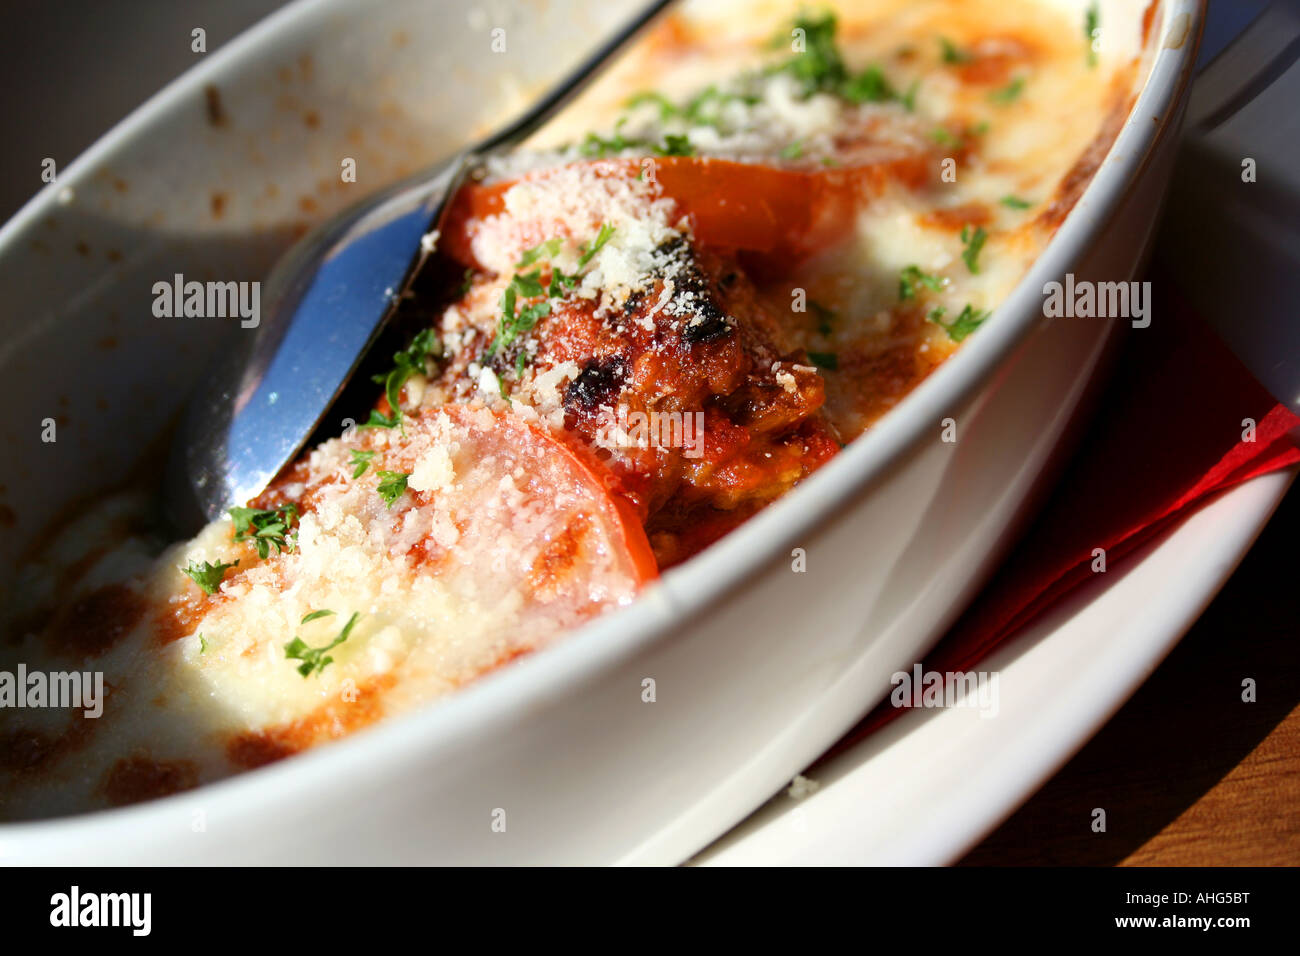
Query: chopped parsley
{"x":379,"y":420}
{"x":703,"y":109}
{"x":466,"y":282}
{"x":315,"y":659}
{"x":869,"y":86}
{"x":820,"y":67}
{"x":602,"y":237}
{"x":824,"y":315}
{"x":314,"y":615}
{"x":974,"y":242}
{"x":908,"y":99}
{"x":706,"y":106}
{"x":560,"y":283}
{"x":952,"y":54}
{"x":512,"y":323}
{"x":1009,"y":93}
{"x":793,"y":150}
{"x":966,"y":322}
{"x":208,"y":576}
{"x":361,"y":461}
{"x":1015,"y":202}
{"x":826,"y":360}
{"x":265,"y":528}
{"x":203,"y":643}
{"x":515,"y":323}
{"x":944,"y":138}
{"x":391,"y":485}
{"x":529,"y":284}
{"x":667,"y":109}
{"x":412,"y":360}
{"x":597,"y":147}
{"x":1092,"y":30}
{"x":675,"y":145}
{"x":913,"y":276}
{"x":545,"y":251}
{"x":515,"y":320}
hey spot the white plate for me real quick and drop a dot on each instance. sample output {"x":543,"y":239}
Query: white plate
{"x":927,"y":787}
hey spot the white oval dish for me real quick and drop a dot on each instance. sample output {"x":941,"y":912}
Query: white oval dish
{"x":758,"y":670}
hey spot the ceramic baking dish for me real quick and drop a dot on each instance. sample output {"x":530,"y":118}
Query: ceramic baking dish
{"x":757,"y":669}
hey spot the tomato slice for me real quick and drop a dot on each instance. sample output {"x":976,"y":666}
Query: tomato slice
{"x":586,"y":537}
{"x":776,"y":211}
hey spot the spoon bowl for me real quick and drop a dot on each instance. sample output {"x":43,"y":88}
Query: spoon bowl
{"x":325,"y":304}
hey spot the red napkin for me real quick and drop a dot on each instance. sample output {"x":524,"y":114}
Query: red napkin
{"x":1168,"y":434}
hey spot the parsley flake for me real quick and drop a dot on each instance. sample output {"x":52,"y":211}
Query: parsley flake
{"x":412,"y":360}
{"x":705,"y":108}
{"x":944,"y":137}
{"x":602,"y":237}
{"x":1092,"y":30}
{"x":967,"y":321}
{"x":824,"y":315}
{"x":827,"y":360}
{"x":869,"y":86}
{"x":516,"y":321}
{"x":315,"y":659}
{"x":265,"y":528}
{"x":676,"y":145}
{"x":545,"y":250}
{"x":597,"y":147}
{"x":391,"y":485}
{"x":974,"y":242}
{"x":1009,"y":93}
{"x":909,"y":98}
{"x":820,"y":68}
{"x":666,"y":107}
{"x":208,"y":576}
{"x":361,"y":460}
{"x":952,"y":54}
{"x":913,"y":276}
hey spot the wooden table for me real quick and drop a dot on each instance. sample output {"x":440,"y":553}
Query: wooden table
{"x":1189,"y":774}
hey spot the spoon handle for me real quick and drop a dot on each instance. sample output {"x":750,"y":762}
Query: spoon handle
{"x":563,"y":93}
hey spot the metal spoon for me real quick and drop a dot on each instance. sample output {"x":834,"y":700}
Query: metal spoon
{"x":324,"y":306}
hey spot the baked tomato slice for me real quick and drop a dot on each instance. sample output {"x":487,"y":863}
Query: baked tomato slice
{"x":774,"y":211}
{"x":464,"y":538}
{"x":539,"y":509}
